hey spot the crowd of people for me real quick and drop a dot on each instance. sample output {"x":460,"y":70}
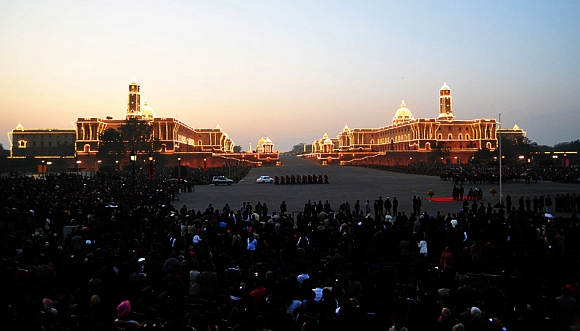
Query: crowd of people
{"x":106,"y":253}
{"x":489,"y":174}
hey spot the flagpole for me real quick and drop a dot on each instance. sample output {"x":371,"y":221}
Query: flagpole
{"x":498,"y":135}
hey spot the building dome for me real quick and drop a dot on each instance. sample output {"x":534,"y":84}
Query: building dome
{"x":444,"y":87}
{"x":327,"y":141}
{"x":402,"y":115}
{"x":265,"y":145}
{"x":134,"y":82}
{"x":147,"y":112}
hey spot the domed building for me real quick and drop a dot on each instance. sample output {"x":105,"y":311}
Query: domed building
{"x":324,"y":144}
{"x":408,"y":139}
{"x":147,"y":113}
{"x":165,"y":135}
{"x":265,"y":145}
{"x":97,"y":142}
{"x":402,"y":115}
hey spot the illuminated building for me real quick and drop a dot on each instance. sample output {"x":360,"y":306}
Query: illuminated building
{"x":41,"y":143}
{"x":167,"y":135}
{"x":264,"y":152}
{"x":512,"y":134}
{"x":166,"y":138}
{"x":407,"y":139}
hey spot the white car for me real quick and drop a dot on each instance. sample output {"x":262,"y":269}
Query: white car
{"x":265,"y":179}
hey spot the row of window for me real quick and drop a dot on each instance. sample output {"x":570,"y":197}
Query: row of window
{"x":408,"y":137}
{"x":23,"y":143}
{"x":450,"y":128}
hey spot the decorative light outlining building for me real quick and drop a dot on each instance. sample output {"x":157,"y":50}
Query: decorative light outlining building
{"x":41,"y":143}
{"x":408,"y":139}
{"x":168,"y":135}
{"x":94,"y":140}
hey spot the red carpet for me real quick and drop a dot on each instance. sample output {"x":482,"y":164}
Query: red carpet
{"x":443,"y":199}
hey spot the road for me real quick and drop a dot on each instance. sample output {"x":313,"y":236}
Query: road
{"x":349,"y":184}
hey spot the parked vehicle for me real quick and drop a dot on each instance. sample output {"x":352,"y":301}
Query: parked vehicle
{"x":217,"y":180}
{"x":265,"y":179}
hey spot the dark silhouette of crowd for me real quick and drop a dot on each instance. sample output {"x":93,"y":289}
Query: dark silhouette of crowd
{"x":482,"y":173}
{"x":301,"y":180}
{"x":97,"y":253}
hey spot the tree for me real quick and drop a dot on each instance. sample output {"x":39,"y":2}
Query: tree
{"x":110,"y":145}
{"x":438,"y":152}
{"x":138,"y":133}
{"x":483,"y":155}
{"x":569,"y":146}
{"x":237,"y":149}
{"x":299,"y":148}
{"x":516,"y":147}
{"x":4,"y":151}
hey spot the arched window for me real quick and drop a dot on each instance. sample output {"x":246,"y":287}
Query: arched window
{"x":450,"y":136}
{"x":467,"y":136}
{"x":428,"y":146}
{"x":440,"y":136}
{"x":21,"y":143}
{"x":199,"y":142}
{"x":460,"y":136}
{"x":87,"y":148}
{"x":488,"y":145}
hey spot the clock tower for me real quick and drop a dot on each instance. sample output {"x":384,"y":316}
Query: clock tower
{"x":133,"y":100}
{"x":445,"y":103}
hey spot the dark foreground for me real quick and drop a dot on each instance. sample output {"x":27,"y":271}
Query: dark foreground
{"x":134,"y":262}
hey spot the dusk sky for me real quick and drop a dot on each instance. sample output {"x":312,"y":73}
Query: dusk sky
{"x":292,"y":70}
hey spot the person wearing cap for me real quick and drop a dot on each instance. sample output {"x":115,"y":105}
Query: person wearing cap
{"x":124,"y":320}
{"x":48,"y":306}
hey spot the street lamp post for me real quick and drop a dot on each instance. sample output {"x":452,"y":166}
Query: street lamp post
{"x":204,"y":168}
{"x":150,"y":173}
{"x":97,"y":165}
{"x":48,"y":165}
{"x":133,"y":160}
{"x":179,"y":166}
{"x":42,"y":169}
{"x":78,"y":162}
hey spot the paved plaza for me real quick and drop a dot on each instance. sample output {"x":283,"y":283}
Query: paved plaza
{"x":350,"y":184}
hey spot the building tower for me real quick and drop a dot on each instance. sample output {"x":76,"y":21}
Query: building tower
{"x":133,"y":100}
{"x":445,"y":103}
